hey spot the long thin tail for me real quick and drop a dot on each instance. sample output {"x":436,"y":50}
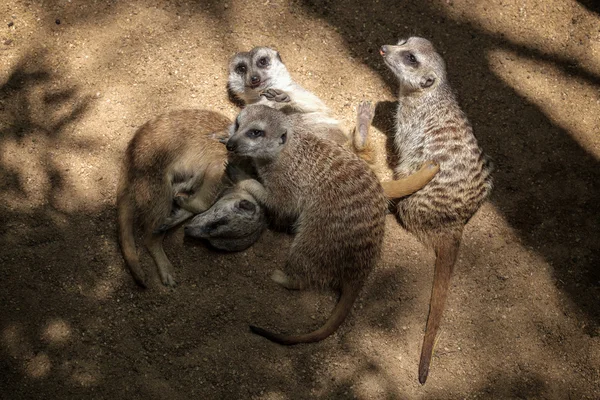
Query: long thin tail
{"x":412,"y":183}
{"x":125,"y":216}
{"x":446,"y":251}
{"x":340,"y":312}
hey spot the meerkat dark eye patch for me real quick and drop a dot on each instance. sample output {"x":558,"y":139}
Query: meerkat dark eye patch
{"x":241,"y":69}
{"x":246,"y":205}
{"x":255,"y":133}
{"x":262,"y":62}
{"x":410,"y":59}
{"x":215,"y":224}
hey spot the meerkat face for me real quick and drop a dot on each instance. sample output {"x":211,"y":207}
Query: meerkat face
{"x":250,"y":73}
{"x":259,"y":132}
{"x":415,"y":62}
{"x":233,"y":215}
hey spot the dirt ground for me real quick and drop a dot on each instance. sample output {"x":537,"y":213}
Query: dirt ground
{"x":523,"y":318}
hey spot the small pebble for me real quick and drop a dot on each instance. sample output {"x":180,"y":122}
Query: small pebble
{"x":10,"y":24}
{"x":57,"y":21}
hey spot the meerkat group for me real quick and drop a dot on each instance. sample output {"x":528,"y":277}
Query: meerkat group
{"x":286,"y":154}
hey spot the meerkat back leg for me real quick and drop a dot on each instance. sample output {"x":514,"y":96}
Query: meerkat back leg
{"x":287,"y":281}
{"x":360,"y":136}
{"x":154,"y":244}
{"x":412,"y":183}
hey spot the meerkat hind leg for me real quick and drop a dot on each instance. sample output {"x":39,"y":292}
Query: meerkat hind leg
{"x":360,"y":134}
{"x":154,"y":244}
{"x":412,"y":183}
{"x":287,"y":281}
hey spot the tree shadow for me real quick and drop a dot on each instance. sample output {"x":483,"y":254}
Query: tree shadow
{"x":536,"y":159}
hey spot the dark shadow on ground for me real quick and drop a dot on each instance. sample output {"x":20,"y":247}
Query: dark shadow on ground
{"x":546,"y":185}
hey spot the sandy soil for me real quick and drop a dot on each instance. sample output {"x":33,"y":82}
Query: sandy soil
{"x":77,"y":77}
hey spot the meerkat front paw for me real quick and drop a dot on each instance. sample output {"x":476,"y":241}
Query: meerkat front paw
{"x":276,"y":95}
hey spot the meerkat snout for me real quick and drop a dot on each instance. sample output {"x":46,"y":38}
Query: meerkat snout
{"x":254,"y":81}
{"x":230,"y":145}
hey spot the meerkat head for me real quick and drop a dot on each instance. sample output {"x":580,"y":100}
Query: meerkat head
{"x":259,"y":132}
{"x":416,"y":64}
{"x":235,"y":214}
{"x":251,"y":72}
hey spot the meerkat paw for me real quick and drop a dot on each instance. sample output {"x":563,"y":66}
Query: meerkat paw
{"x":178,"y":215}
{"x":168,"y":279}
{"x":276,"y":95}
{"x":180,"y":198}
{"x":284,"y":280}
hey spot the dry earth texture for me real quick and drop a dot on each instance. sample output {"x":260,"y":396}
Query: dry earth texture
{"x":523,"y":318}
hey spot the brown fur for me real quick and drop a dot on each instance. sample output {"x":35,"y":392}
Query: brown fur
{"x":259,"y":76}
{"x":431,"y":126}
{"x":175,"y":147}
{"x":335,"y":199}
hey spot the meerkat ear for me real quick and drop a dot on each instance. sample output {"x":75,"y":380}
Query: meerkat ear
{"x":279,"y":57}
{"x":427,"y":81}
{"x":283,"y":138}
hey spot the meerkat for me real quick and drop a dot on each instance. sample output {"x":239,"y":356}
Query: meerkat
{"x":176,"y":155}
{"x":260,"y":77}
{"x":233,"y":223}
{"x":334,"y":197}
{"x":431,"y":126}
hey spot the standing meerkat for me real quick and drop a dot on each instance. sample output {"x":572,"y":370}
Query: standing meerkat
{"x":334,"y":197}
{"x":260,"y":77}
{"x":431,"y":126}
{"x":177,"y":155}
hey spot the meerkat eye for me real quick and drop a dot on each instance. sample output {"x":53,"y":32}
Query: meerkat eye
{"x":263,"y":62}
{"x":411,"y":58}
{"x":237,"y":124}
{"x":255,"y":133}
{"x":241,"y":69}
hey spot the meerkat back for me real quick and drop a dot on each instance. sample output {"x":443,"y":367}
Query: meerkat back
{"x":335,"y":198}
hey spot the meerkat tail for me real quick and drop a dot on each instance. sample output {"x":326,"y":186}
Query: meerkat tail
{"x":340,"y":312}
{"x":446,"y":251}
{"x":126,"y":237}
{"x":412,"y":183}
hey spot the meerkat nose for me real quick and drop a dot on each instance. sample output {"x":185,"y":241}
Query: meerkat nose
{"x":230,"y":145}
{"x":254,"y":79}
{"x":383,"y":50}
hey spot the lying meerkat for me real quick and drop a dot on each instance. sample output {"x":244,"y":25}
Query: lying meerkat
{"x":178,"y":152}
{"x":233,"y":223}
{"x":260,"y":77}
{"x":334,"y":197}
{"x":431,"y":126}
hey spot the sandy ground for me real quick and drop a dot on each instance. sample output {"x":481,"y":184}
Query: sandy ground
{"x":77,"y":77}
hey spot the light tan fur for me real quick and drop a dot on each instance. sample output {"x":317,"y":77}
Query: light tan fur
{"x":431,"y":126}
{"x":181,"y":146}
{"x":336,"y":200}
